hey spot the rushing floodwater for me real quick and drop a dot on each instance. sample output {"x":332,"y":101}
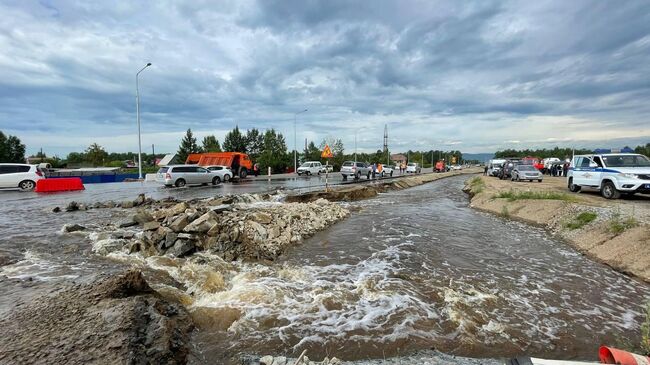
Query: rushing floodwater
{"x":414,"y":269}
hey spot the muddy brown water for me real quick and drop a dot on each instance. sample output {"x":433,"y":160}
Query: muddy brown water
{"x":414,"y":269}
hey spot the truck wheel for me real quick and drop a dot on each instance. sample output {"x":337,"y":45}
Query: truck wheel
{"x":573,"y":187}
{"x":609,"y":191}
{"x":243,"y":173}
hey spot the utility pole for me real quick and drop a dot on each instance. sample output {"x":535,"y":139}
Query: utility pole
{"x":386,"y":143}
{"x":137,"y":112}
{"x":153,"y":152}
{"x":295,"y":144}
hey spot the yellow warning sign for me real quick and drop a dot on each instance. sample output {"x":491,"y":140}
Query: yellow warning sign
{"x":327,"y":152}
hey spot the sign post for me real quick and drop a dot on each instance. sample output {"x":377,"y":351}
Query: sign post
{"x":327,"y":154}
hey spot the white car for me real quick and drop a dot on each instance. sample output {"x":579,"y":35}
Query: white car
{"x":413,"y":168}
{"x":387,"y":170}
{"x":22,"y":176}
{"x":182,"y":175}
{"x":612,"y":174}
{"x":327,"y":169}
{"x":224,"y":172}
{"x":310,"y":168}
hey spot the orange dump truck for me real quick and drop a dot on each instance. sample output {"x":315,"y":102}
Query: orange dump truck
{"x":440,"y":166}
{"x":238,"y":162}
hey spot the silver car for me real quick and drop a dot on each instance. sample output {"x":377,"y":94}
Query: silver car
{"x":181,"y":175}
{"x":526,"y":172}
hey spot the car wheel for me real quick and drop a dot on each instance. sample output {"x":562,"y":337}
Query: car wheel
{"x":318,"y":173}
{"x":609,"y":191}
{"x":180,"y":183}
{"x":357,"y":176}
{"x":540,"y":180}
{"x":391,"y":174}
{"x":345,"y":177}
{"x":216,"y":180}
{"x":573,"y":187}
{"x":368,"y":176}
{"x":27,"y":185}
{"x":226,"y":178}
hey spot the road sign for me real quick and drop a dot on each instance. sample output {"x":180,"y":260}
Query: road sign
{"x":327,"y":152}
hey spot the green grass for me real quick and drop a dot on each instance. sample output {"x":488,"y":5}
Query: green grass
{"x":535,"y":195}
{"x":618,"y":225}
{"x":505,"y":213}
{"x":477,"y":185}
{"x":581,"y":220}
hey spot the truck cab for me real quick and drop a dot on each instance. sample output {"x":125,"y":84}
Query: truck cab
{"x":612,"y":174}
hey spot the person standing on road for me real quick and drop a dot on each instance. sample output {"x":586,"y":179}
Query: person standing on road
{"x":374,"y":170}
{"x":256,"y":170}
{"x":485,"y":170}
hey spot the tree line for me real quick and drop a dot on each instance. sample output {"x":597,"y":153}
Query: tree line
{"x":561,"y":153}
{"x":11,"y":149}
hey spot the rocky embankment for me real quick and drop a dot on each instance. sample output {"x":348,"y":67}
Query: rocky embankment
{"x":369,"y":190}
{"x":246,"y":227}
{"x":614,"y":232}
{"x":112,"y":320}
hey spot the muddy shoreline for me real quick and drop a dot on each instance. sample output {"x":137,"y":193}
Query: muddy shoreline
{"x":613,"y":232}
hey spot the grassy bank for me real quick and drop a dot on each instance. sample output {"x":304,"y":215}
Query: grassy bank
{"x":614,"y":232}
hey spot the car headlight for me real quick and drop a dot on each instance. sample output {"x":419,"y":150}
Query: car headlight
{"x":629,"y":176}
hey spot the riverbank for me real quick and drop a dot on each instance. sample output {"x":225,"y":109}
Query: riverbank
{"x":613,"y":232}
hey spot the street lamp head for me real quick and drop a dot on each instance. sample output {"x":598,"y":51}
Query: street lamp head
{"x":148,"y":64}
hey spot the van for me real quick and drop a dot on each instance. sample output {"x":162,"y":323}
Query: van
{"x":310,"y":168}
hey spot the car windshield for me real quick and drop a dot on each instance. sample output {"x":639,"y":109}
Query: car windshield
{"x":411,"y":164}
{"x":626,"y":161}
{"x":526,"y":168}
{"x":306,"y":164}
{"x":348,"y":163}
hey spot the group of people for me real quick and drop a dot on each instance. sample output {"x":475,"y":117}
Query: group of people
{"x":402,"y":168}
{"x":560,"y":170}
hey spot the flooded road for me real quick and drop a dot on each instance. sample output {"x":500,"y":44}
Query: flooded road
{"x":414,"y":269}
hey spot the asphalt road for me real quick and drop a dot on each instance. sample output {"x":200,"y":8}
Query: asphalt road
{"x":130,"y":190}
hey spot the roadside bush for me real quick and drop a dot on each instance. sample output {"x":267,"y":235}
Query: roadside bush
{"x":505,"y":213}
{"x":581,"y":220}
{"x":618,"y":225}
{"x":535,"y":195}
{"x":477,"y":185}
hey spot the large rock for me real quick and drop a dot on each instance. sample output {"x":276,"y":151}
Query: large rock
{"x":203,"y":223}
{"x":179,"y":223}
{"x":261,"y":217}
{"x":69,"y":228}
{"x":142,"y":217}
{"x":72,"y":206}
{"x":111,"y":320}
{"x":182,"y":248}
{"x":150,"y":226}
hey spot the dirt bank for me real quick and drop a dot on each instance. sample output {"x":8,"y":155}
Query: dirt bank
{"x":113,"y":320}
{"x":370,"y":189}
{"x":614,"y":232}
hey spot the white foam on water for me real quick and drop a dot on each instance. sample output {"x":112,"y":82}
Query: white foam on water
{"x":35,"y":267}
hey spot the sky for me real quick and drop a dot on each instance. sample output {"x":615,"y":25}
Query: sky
{"x":475,"y":76}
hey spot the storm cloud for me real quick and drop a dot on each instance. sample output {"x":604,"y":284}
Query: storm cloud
{"x":475,"y":76}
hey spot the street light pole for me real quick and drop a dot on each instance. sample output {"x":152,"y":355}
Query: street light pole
{"x":295,"y":143}
{"x":137,"y":113}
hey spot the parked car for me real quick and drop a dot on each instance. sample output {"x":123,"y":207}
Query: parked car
{"x":456,"y":167}
{"x":355,"y":170}
{"x":387,"y":170}
{"x":22,"y":176}
{"x":494,"y":166}
{"x":326,"y":169}
{"x":310,"y":168}
{"x":224,"y":173}
{"x":526,"y":172}
{"x":413,"y":168}
{"x":181,"y":175}
{"x":612,"y":174}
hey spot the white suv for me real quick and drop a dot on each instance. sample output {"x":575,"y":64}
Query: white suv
{"x":310,"y":168}
{"x":16,"y":175}
{"x":612,"y":174}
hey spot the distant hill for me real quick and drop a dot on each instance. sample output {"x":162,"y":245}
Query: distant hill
{"x":483,"y":157}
